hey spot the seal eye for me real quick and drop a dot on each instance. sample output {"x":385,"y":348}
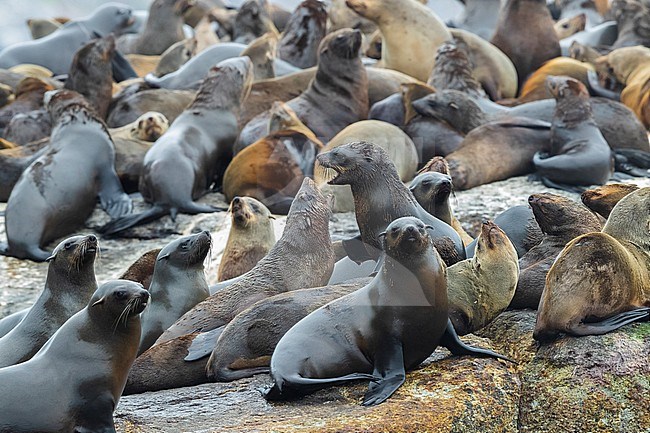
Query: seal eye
{"x":68,"y":245}
{"x":120,"y":295}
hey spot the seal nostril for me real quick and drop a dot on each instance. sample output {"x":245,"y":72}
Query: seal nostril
{"x":236,"y":200}
{"x":92,"y":238}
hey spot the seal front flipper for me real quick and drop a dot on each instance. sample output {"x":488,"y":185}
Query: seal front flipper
{"x":451,"y":341}
{"x":598,"y":90}
{"x":128,"y":221}
{"x":112,"y":197}
{"x":356,"y":250}
{"x":610,"y":324}
{"x":389,"y":374}
{"x":121,"y":68}
{"x":203,"y":344}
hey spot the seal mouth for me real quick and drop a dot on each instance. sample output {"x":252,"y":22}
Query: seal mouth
{"x":326,"y":172}
{"x":202,"y":246}
{"x":490,"y":232}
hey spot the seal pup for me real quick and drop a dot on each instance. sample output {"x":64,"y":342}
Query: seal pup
{"x":69,"y":284}
{"x":380,"y":197}
{"x":579,"y":154}
{"x":164,"y":27}
{"x":338,"y":92}
{"x":393,"y":329}
{"x":600,"y":280}
{"x":55,"y":51}
{"x":247,"y":342}
{"x":126,"y":109}
{"x":481,"y":288}
{"x":194,"y":152}
{"x":561,"y":220}
{"x":301,"y":258}
{"x":603,"y":199}
{"x":148,"y":127}
{"x":177,"y":285}
{"x":58,"y":191}
{"x":91,"y":353}
{"x":251,"y":237}
{"x":306,"y":28}
{"x":526,"y":35}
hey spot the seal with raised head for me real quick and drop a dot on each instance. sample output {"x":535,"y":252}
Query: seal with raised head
{"x":338,"y":92}
{"x":252,"y":21}
{"x":92,"y":353}
{"x":378,"y":332}
{"x":247,"y":342}
{"x":177,"y":285}
{"x":69,"y":284}
{"x":601,"y":280}
{"x":579,"y":154}
{"x":561,"y":220}
{"x":482,"y":287}
{"x":380,"y":197}
{"x":55,"y":51}
{"x":59,"y":190}
{"x":603,"y":199}
{"x":251,"y":237}
{"x":194,"y":152}
{"x":306,"y":28}
{"x":525,"y":33}
{"x":164,"y":27}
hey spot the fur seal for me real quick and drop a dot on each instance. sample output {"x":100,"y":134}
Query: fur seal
{"x":177,"y":285}
{"x":29,"y":127}
{"x":14,"y":162}
{"x":261,"y":51}
{"x":579,"y":154}
{"x":251,"y":237}
{"x":305,"y":30}
{"x":376,"y":333}
{"x":525,"y":34}
{"x":128,"y":108}
{"x":194,"y":152}
{"x":453,"y":70}
{"x":164,"y":27}
{"x":338,"y":92}
{"x":58,"y":191}
{"x":69,"y":284}
{"x":603,"y":199}
{"x":148,"y":127}
{"x":252,"y":21}
{"x":247,"y":342}
{"x":91,"y":73}
{"x":432,"y":188}
{"x":633,"y":23}
{"x":380,"y":197}
{"x":92,"y":353}
{"x":410,"y":38}
{"x":55,"y":51}
{"x":305,"y":241}
{"x":175,"y":56}
{"x":566,"y":27}
{"x":600,"y":280}
{"x":561,"y":220}
{"x":482,"y":287}
{"x":39,"y":28}
{"x":141,"y":271}
{"x":399,"y":147}
{"x":602,"y":35}
{"x":29,"y":97}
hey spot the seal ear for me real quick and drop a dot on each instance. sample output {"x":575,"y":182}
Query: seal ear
{"x":453,"y":105}
{"x":99,"y":301}
{"x":49,"y":259}
{"x":163,"y":257}
{"x":429,"y":227}
{"x":381,"y":235}
{"x":271,"y":217}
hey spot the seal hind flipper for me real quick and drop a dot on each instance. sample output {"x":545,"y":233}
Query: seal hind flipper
{"x":194,"y":208}
{"x":203,"y":344}
{"x":632,"y":162}
{"x":294,"y":386}
{"x":33,"y":253}
{"x":610,"y":324}
{"x":451,"y":341}
{"x":128,"y":221}
{"x":562,"y":186}
{"x":389,"y":373}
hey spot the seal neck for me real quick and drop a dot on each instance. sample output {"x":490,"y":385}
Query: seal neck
{"x":572,"y":110}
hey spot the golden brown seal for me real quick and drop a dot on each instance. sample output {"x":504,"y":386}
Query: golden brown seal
{"x":603,"y":199}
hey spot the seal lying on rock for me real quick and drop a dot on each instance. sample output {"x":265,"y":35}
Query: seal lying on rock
{"x":378,"y":332}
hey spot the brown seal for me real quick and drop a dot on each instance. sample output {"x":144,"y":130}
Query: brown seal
{"x":600,"y":280}
{"x":482,"y":287}
{"x":525,"y":33}
{"x":338,"y":93}
{"x":566,"y":27}
{"x":305,"y":30}
{"x":26,"y":128}
{"x":247,"y":342}
{"x":29,"y":96}
{"x":91,"y":73}
{"x":380,"y":197}
{"x":252,"y":21}
{"x":175,"y":56}
{"x":178,"y":284}
{"x":410,"y":38}
{"x":141,"y":271}
{"x":561,"y":220}
{"x":261,"y":51}
{"x":194,"y":152}
{"x":127,"y":109}
{"x":302,"y":258}
{"x":378,"y":332}
{"x":603,"y":199}
{"x":453,"y":70}
{"x":59,"y":190}
{"x":92,"y":352}
{"x":69,"y":284}
{"x":164,"y":27}
{"x":579,"y":154}
{"x":251,"y":237}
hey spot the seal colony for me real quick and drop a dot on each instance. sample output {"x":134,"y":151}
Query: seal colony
{"x":314,"y":310}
